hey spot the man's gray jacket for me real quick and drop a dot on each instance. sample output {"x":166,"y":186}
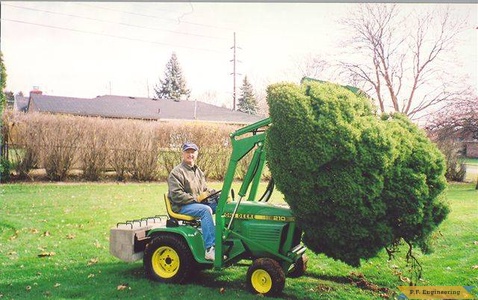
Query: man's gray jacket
{"x":185,"y":184}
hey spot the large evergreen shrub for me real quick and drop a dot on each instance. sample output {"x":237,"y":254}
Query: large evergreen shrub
{"x":356,"y":183}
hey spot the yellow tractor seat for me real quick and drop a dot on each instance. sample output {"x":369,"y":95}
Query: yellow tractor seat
{"x":175,"y":215}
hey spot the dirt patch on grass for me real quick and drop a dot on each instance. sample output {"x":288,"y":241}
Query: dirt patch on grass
{"x":359,"y":280}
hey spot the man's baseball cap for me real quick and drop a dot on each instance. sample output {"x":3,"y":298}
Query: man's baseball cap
{"x":188,"y":146}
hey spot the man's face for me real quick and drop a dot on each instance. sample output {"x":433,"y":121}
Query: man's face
{"x":190,"y":156}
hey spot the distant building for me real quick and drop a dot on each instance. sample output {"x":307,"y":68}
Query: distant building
{"x":124,"y":107}
{"x":471,"y":149}
{"x":20,"y":103}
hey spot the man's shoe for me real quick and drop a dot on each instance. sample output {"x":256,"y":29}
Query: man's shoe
{"x":210,"y":253}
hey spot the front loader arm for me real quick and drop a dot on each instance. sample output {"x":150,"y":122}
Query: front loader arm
{"x":243,"y":141}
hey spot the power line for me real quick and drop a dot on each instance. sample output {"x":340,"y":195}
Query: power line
{"x":155,"y":17}
{"x":245,"y":32}
{"x":178,"y":20}
{"x":108,"y":35}
{"x":111,"y":22}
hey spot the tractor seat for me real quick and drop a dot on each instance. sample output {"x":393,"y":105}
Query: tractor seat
{"x":174,"y":215}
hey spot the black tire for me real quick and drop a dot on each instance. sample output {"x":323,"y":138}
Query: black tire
{"x":265,"y":276}
{"x":299,"y":267}
{"x":167,"y":258}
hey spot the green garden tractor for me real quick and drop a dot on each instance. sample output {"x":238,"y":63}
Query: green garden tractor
{"x":247,"y":229}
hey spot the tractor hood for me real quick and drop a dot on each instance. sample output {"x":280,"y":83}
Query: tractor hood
{"x":249,"y":210}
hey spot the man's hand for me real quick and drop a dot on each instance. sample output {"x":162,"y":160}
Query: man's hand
{"x":203,"y":196}
{"x":208,"y":197}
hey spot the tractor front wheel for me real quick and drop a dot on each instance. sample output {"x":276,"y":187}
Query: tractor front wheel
{"x":265,"y":276}
{"x":167,"y":258}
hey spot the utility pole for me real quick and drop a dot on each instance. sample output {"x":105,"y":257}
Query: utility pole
{"x":195,"y":108}
{"x":234,"y":73}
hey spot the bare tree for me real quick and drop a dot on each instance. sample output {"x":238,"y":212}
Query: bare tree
{"x":311,"y":66}
{"x":398,"y":59}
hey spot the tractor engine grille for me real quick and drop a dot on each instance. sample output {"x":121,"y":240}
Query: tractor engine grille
{"x":266,"y":234}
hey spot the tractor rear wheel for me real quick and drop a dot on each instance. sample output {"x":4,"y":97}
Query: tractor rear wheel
{"x":299,"y":267}
{"x":167,"y":258}
{"x":265,"y":276}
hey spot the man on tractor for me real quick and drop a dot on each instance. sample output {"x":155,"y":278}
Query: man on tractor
{"x":246,"y":227}
{"x":187,"y":192}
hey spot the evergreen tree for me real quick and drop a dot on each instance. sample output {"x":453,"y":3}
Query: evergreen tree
{"x":371,"y":183}
{"x":174,"y":85}
{"x":9,"y":99}
{"x":4,"y":163}
{"x":247,"y":102}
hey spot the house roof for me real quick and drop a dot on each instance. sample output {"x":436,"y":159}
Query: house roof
{"x":138,"y":108}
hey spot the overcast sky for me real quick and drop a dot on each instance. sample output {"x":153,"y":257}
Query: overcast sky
{"x":87,"y":49}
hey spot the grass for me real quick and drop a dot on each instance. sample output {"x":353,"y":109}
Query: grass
{"x":471,"y":161}
{"x":54,"y":244}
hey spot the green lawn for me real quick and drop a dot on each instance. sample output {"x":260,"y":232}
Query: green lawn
{"x":471,"y":161}
{"x":54,"y":244}
{"x":471,"y":170}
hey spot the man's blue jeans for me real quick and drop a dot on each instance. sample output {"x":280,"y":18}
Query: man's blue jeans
{"x":204,"y":212}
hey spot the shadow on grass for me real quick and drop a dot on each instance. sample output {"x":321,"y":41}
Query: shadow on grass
{"x":233,"y":280}
{"x":336,"y":279}
{"x":135,"y":271}
{"x":103,"y":280}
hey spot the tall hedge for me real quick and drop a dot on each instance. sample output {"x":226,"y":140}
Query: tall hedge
{"x":133,"y":149}
{"x":355,"y":182}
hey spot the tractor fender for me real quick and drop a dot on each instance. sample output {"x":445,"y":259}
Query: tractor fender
{"x":191,"y":235}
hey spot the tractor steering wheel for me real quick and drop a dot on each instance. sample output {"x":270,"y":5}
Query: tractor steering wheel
{"x":212,"y":194}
